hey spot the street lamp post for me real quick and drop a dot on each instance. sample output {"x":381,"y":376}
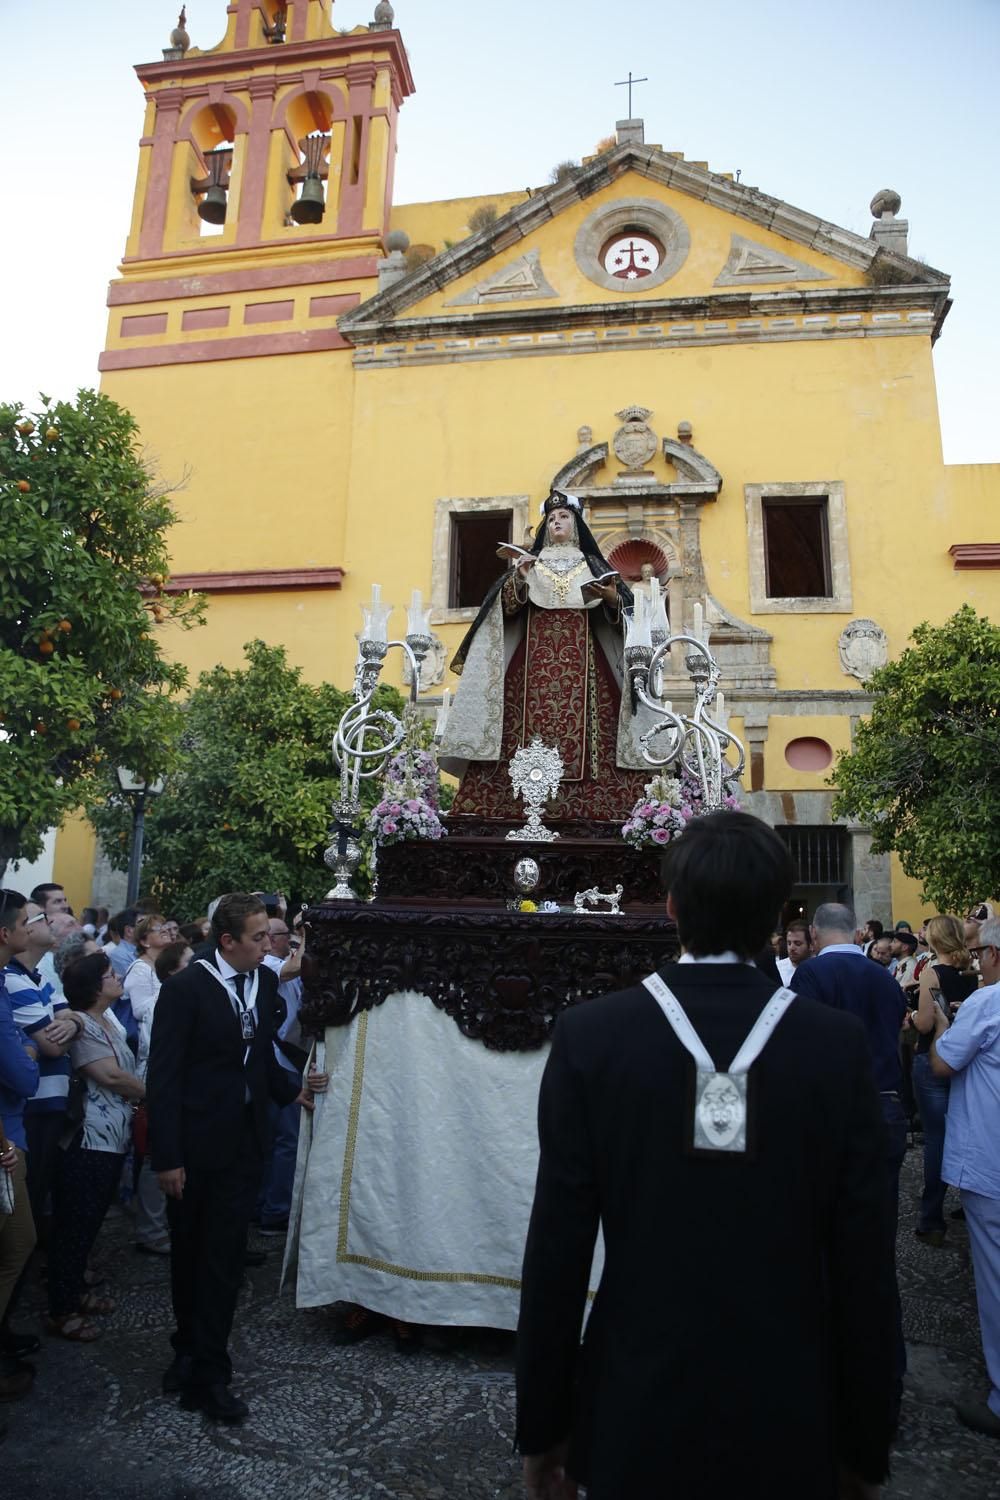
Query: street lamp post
{"x":136,"y":788}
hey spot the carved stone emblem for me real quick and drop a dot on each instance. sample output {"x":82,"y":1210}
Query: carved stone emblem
{"x":521,"y":280}
{"x":863,"y":647}
{"x":635,"y":442}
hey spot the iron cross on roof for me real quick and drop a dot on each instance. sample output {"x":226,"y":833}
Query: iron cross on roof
{"x":627,"y":83}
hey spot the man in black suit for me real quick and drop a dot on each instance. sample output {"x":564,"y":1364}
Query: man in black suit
{"x":740,"y":1342}
{"x":212,"y":1070}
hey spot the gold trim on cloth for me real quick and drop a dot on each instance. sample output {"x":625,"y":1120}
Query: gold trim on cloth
{"x":346,"y":1257}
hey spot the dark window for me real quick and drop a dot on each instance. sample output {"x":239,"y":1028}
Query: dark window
{"x":796,"y":549}
{"x":818,"y":854}
{"x":474,"y":562}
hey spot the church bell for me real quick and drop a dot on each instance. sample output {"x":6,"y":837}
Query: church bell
{"x":212,"y":207}
{"x":310,"y":206}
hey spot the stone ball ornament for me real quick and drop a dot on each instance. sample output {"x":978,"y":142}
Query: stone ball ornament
{"x":397,"y":239}
{"x":886,"y":202}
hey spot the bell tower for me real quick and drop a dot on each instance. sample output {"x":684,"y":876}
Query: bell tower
{"x":265,"y":161}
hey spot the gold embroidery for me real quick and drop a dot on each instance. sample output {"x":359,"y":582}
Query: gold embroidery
{"x":561,"y":581}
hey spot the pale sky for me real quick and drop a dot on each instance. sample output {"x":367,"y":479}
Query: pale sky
{"x":820,"y":106}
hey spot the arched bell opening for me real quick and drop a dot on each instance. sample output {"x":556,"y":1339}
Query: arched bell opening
{"x":212,"y":137}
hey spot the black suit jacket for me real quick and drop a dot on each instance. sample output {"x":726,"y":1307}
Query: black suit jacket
{"x":741,"y":1338}
{"x":196,"y":1081}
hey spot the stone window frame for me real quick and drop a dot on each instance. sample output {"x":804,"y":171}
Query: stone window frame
{"x":444,"y":509}
{"x":840,"y":600}
{"x":657,"y":218}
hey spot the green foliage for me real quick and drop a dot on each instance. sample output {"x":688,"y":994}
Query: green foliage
{"x":83,"y":680}
{"x":924,"y":768}
{"x":248,"y":804}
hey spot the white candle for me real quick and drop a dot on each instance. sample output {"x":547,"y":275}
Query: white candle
{"x":720,"y":709}
{"x":641,"y":635}
{"x":698,"y":631}
{"x":442,"y":713}
{"x":417,"y":602}
{"x":376,"y":595}
{"x":668,"y":705}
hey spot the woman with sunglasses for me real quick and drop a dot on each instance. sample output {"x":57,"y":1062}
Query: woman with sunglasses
{"x":86,"y":1184}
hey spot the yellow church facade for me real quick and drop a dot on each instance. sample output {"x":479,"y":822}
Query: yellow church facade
{"x":353,"y":391}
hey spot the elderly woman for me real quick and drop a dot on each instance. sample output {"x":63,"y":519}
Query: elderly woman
{"x":945,"y":982}
{"x":544,"y":657}
{"x":86,"y":1185}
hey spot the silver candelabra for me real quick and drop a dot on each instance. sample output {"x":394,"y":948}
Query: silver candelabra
{"x":367,"y":737}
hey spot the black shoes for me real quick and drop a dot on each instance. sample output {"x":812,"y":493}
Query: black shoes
{"x":216,"y":1402}
{"x":177,"y":1374}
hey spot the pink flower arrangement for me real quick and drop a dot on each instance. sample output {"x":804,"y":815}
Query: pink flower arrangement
{"x":391,"y":822}
{"x":667,"y":808}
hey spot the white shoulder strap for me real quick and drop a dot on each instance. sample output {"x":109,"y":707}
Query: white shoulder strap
{"x":760,"y":1033}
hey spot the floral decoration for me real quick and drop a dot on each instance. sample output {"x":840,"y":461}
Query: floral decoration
{"x":409,"y":805}
{"x":667,"y":808}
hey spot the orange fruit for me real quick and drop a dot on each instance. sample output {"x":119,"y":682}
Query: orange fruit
{"x":64,"y":626}
{"x":51,"y":433}
{"x":115,"y":694}
{"x":23,"y":486}
{"x":46,"y":647}
{"x":72,"y":725}
{"x":26,"y":428}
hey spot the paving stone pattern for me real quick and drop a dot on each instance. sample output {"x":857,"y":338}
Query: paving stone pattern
{"x":352,"y":1423}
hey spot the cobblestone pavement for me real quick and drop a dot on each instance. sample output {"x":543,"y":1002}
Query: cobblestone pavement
{"x":353,"y":1423}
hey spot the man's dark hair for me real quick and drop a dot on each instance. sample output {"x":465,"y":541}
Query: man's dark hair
{"x":122,"y":919}
{"x":40,"y":895}
{"x":875,"y":928}
{"x":11,"y":902}
{"x":799,"y":925}
{"x":729,"y":876}
{"x":82,"y":979}
{"x":908,"y":940}
{"x":232,"y":914}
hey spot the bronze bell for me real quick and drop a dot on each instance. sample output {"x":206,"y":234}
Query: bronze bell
{"x":309,"y":207}
{"x":212,"y":207}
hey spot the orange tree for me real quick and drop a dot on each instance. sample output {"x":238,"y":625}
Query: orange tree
{"x":247,"y":805}
{"x":84,"y":682}
{"x":924,"y":768}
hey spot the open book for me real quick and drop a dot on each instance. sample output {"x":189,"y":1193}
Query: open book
{"x":605,"y":578}
{"x":512,"y":553}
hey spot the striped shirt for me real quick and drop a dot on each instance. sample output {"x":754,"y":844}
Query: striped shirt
{"x":33,"y":1008}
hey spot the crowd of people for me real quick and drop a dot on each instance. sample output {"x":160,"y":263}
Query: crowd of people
{"x":78,"y":1066}
{"x":123,"y":1076}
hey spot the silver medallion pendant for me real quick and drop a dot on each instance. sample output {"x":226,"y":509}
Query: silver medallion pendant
{"x":720,"y":1112}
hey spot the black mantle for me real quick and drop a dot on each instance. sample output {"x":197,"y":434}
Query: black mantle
{"x":503,"y":976}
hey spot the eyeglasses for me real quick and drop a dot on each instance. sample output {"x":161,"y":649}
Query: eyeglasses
{"x":38,"y":917}
{"x":986,"y":948}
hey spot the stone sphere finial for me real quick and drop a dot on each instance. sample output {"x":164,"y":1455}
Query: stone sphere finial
{"x":384,"y":15}
{"x":179,"y":37}
{"x":397,"y":239}
{"x":886,"y":201}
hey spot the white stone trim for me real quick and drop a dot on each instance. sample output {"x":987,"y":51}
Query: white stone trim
{"x":519,"y":507}
{"x":840,"y":600}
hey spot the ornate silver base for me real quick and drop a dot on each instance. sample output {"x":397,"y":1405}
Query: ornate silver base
{"x":344,"y":854}
{"x":533,"y":829}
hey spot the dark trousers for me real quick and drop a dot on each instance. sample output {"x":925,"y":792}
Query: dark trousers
{"x":83,"y":1190}
{"x":932,"y":1096}
{"x":896,"y":1128}
{"x":208,"y":1230}
{"x":42,"y":1130}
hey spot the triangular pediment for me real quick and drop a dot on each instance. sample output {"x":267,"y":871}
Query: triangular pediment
{"x":557,"y":249}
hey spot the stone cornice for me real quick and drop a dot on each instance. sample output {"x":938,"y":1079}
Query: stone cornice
{"x":255,"y":580}
{"x":669,"y":171}
{"x":336,"y":50}
{"x":371,"y":323}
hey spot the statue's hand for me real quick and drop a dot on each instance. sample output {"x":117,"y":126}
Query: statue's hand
{"x":525,"y":567}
